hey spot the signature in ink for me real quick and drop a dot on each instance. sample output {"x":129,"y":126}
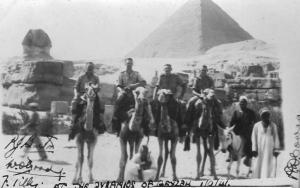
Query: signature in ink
{"x":293,"y":164}
{"x":27,"y":167}
{"x":22,"y":182}
{"x":20,"y":142}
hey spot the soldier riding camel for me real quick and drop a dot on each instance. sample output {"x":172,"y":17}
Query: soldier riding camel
{"x":127,"y":82}
{"x":201,"y":83}
{"x":80,"y":88}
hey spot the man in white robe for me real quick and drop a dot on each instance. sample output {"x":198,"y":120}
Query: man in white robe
{"x":265,"y":145}
{"x":142,"y":166}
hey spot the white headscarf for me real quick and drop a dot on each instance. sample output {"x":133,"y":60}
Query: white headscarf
{"x":243,"y":98}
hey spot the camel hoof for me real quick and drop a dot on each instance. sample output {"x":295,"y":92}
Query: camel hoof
{"x":215,"y":178}
{"x":175,"y":178}
{"x":77,"y":181}
{"x":156,"y":179}
{"x":120,"y":179}
{"x":197,"y":178}
{"x":91,"y":180}
{"x":162,"y":175}
{"x":74,"y":181}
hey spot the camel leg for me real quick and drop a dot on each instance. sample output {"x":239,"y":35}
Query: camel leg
{"x":131,"y":146}
{"x":206,"y":150}
{"x":160,"y":158}
{"x":173,"y":157}
{"x":78,"y":168}
{"x":238,"y":165}
{"x":123,"y":160}
{"x":198,"y":157}
{"x":137,"y":145}
{"x":165,"y":159}
{"x":212,"y":156}
{"x":229,"y":166}
{"x":91,"y":147}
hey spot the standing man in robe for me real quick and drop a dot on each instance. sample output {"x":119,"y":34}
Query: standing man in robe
{"x":32,"y":127}
{"x":265,"y":145}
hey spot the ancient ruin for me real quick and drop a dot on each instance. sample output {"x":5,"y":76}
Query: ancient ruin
{"x":36,"y":76}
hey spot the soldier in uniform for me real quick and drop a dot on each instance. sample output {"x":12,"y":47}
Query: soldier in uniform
{"x":88,"y":78}
{"x":127,"y":82}
{"x":171,"y":81}
{"x":200,"y":84}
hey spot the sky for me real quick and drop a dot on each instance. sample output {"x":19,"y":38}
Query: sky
{"x":95,"y":29}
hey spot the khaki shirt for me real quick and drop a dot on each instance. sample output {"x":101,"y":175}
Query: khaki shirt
{"x":202,"y":83}
{"x":126,"y":79}
{"x":170,"y":81}
{"x":83,"y":80}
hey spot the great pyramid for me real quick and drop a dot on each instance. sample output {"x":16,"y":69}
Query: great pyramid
{"x":194,"y":28}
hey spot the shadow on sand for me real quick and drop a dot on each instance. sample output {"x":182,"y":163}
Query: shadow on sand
{"x":56,"y":162}
{"x":225,"y":176}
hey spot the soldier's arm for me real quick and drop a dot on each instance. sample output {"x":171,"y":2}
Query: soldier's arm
{"x":195,"y":90}
{"x":155,"y":92}
{"x":140,"y":82}
{"x":212,"y":84}
{"x":120,"y":84}
{"x":97,"y":80}
{"x":156,"y":88}
{"x":77,"y":86}
{"x":182,"y":85}
{"x":196,"y":93}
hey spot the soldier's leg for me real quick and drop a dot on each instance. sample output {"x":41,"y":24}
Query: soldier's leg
{"x":74,"y":111}
{"x":101,"y":125}
{"x":116,"y":124}
{"x":216,"y":138}
{"x":74,"y":108}
{"x":181,"y":124}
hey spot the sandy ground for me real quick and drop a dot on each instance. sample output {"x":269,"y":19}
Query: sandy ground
{"x":106,"y":162}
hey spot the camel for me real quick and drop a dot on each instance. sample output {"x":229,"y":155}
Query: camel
{"x":88,"y":128}
{"x":167,"y":118}
{"x":204,"y":126}
{"x":133,"y":128}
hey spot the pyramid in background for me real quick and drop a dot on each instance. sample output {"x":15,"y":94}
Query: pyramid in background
{"x":194,"y":28}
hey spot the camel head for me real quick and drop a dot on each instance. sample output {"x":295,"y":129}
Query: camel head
{"x":209,"y":94}
{"x":91,"y":91}
{"x":140,"y":93}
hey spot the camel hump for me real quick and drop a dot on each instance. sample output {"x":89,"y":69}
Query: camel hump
{"x":38,"y":38}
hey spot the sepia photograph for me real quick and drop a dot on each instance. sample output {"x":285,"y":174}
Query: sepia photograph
{"x":152,"y":93}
